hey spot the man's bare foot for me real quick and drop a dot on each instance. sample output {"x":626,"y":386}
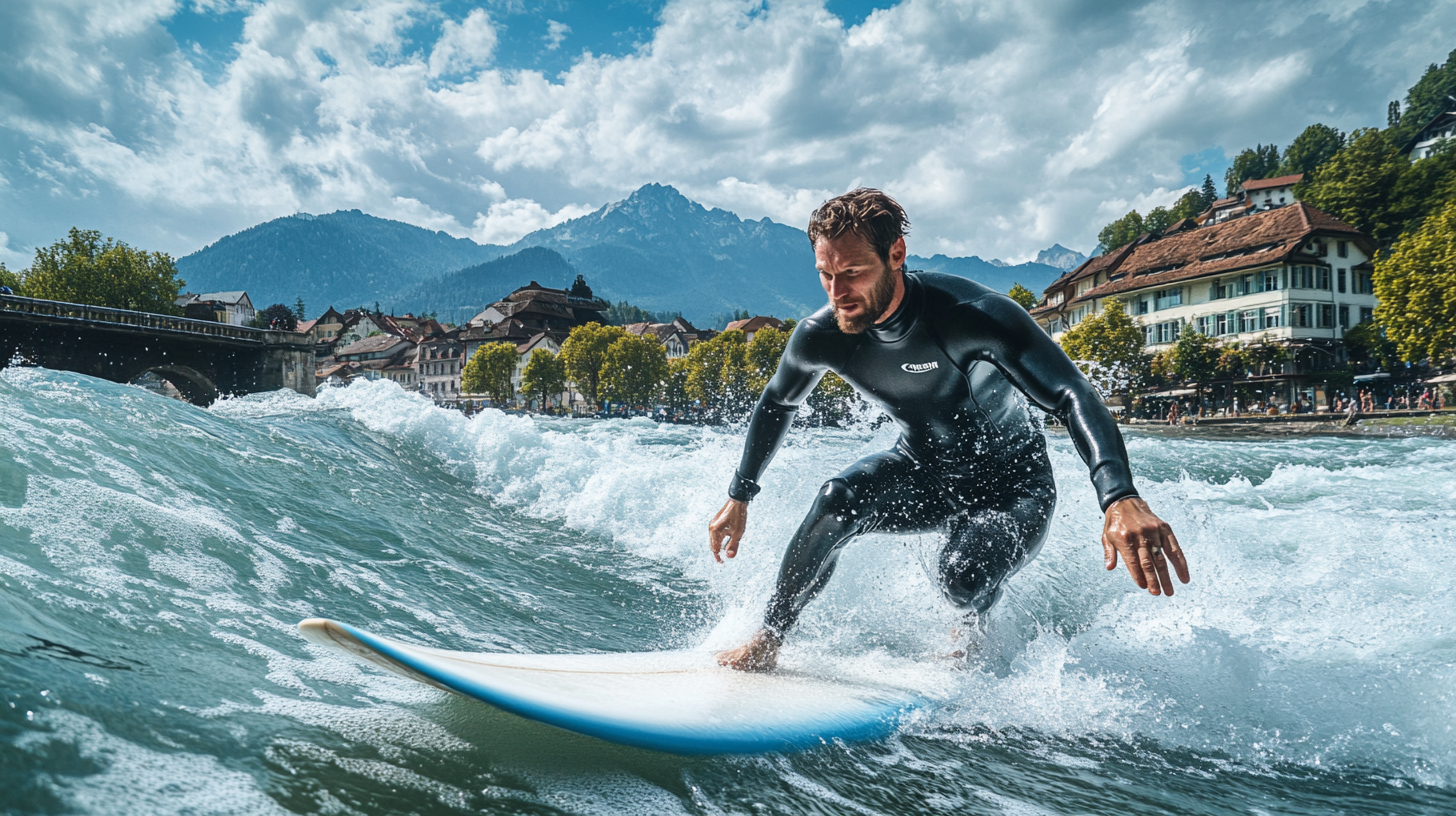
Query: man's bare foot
{"x":759,"y":654}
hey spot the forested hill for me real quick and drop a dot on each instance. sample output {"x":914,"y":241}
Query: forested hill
{"x":344,"y":259}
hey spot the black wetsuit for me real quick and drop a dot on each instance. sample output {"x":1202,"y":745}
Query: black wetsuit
{"x":945,"y":366}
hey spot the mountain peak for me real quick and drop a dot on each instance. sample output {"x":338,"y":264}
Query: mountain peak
{"x":1060,"y":257}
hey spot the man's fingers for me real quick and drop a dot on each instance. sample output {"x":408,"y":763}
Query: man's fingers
{"x":1109,"y":553}
{"x":714,"y":545}
{"x":1175,"y":554}
{"x":732,"y":550}
{"x":1146,"y":561}
{"x":1131,"y":558}
{"x":1160,"y":563}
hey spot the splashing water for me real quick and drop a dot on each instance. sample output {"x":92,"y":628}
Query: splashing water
{"x":155,"y":557}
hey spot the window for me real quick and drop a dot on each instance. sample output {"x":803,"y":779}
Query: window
{"x":1248,"y":321}
{"x":1300,"y":315}
{"x":1271,"y":280}
{"x":1344,"y":317}
{"x":1300,"y":277}
{"x":1366,"y":314}
{"x":1340,"y":279}
{"x":1362,"y":284}
{"x":1342,"y":249}
{"x":1271,"y":317}
{"x":1223,"y":323}
{"x":1322,"y":278}
{"x":1168,"y":298}
{"x":1142,"y":306}
{"x":1327,"y":315}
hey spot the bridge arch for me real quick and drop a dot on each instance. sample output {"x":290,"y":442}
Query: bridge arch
{"x":195,"y":386}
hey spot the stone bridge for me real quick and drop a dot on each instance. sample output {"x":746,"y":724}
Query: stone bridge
{"x":203,"y":360}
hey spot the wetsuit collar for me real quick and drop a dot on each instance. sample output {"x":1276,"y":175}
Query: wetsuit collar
{"x":905,"y":317}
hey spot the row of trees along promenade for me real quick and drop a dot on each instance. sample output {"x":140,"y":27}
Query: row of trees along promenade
{"x":718,"y":380}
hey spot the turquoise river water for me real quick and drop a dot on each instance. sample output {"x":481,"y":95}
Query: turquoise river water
{"x":155,"y":558}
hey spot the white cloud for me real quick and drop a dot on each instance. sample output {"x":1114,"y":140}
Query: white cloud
{"x":1002,"y":126}
{"x":508,"y":221}
{"x":464,"y":46}
{"x":555,"y":34}
{"x":13,"y":257}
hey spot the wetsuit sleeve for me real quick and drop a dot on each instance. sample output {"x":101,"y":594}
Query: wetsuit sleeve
{"x":1036,"y":365}
{"x":791,"y":384}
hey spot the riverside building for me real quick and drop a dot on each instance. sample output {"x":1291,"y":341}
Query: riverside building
{"x":1291,"y":275}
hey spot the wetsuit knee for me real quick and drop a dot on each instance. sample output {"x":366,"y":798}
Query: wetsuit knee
{"x":838,"y":499}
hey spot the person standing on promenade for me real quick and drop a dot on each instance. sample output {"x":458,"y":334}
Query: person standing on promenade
{"x":945,"y":357}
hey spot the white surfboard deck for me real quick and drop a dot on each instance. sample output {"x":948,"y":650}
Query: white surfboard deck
{"x":680,"y":702}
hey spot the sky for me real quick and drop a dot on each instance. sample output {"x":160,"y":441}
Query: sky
{"x":1002,"y":126}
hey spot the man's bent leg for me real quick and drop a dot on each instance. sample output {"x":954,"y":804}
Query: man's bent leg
{"x":992,"y":543}
{"x":884,"y":489}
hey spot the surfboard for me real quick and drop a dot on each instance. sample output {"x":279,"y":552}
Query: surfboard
{"x":680,"y":702}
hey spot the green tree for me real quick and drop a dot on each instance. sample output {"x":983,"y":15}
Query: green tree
{"x":633,"y":370}
{"x":86,"y":269}
{"x":579,"y":289}
{"x":10,"y":279}
{"x":1195,"y":358}
{"x":718,"y":374}
{"x":1392,"y":114}
{"x":1367,"y":343}
{"x":287,"y":320}
{"x":1427,"y":98}
{"x":761,"y":359}
{"x":583,"y":353}
{"x":1023,"y":296}
{"x":1121,"y":232}
{"x":1210,"y":192}
{"x":1357,"y":183}
{"x":543,"y":377}
{"x":1313,"y":147}
{"x":1189,"y":205}
{"x":1159,"y":219}
{"x":675,"y":390}
{"x":298,"y":310}
{"x":489,"y":372}
{"x":1415,"y":284}
{"x":1108,"y":347}
{"x":1264,"y":353}
{"x":1261,"y":161}
{"x":1232,"y":362}
{"x":1424,"y":188}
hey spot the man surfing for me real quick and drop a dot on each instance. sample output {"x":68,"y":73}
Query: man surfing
{"x":943,"y":356}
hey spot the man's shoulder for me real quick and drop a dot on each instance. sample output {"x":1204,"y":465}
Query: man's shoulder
{"x":963,"y":298}
{"x":945,"y":288}
{"x":817,"y":338}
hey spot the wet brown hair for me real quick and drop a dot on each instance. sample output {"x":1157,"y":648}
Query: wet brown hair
{"x":866,"y":212}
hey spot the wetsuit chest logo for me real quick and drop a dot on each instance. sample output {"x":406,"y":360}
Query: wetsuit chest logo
{"x":919,"y":368}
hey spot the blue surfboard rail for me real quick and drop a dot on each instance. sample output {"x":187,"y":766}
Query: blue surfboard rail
{"x":879,"y":719}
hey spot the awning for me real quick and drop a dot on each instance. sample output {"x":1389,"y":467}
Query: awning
{"x":1176,"y":392}
{"x":1368,"y":377}
{"x":1444,"y":378}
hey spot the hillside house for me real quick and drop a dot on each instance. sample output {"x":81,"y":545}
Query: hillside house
{"x":439,"y":362}
{"x":528,"y":311}
{"x":1441,"y":127}
{"x":676,"y":337}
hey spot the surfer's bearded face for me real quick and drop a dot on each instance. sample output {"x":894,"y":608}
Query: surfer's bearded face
{"x":860,"y":284}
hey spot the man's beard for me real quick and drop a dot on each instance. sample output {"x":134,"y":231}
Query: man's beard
{"x":874,"y":307}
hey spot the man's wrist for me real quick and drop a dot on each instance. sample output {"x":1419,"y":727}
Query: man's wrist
{"x":741,"y":489}
{"x":1121,"y":499}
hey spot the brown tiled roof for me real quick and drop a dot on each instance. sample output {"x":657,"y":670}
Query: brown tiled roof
{"x":1239,"y":243}
{"x":368,"y":345}
{"x":1278,"y":181}
{"x":755,"y":323}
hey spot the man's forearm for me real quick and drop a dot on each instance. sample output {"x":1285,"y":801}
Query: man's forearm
{"x":766,"y":431}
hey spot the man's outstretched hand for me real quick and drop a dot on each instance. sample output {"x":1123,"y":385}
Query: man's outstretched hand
{"x":726,"y":529}
{"x":1145,"y":542}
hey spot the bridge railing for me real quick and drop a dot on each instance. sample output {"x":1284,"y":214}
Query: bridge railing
{"x":145,"y":320}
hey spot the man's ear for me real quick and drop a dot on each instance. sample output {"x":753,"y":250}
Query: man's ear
{"x":897,"y":254}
